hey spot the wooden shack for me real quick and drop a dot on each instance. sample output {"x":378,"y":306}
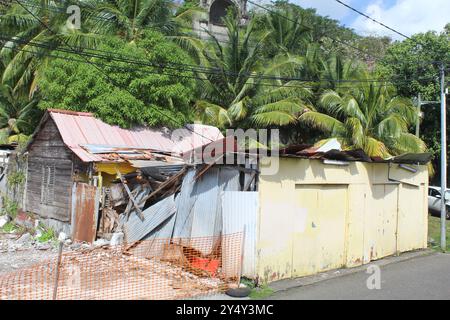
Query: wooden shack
{"x":73,"y":147}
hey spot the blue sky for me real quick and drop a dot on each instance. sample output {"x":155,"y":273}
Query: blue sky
{"x":406,"y":16}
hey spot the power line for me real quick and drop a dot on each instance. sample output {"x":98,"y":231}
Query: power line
{"x":372,"y":19}
{"x":125,"y":69}
{"x":327,"y":36}
{"x":387,"y":27}
{"x":90,"y":62}
{"x":216,"y":70}
{"x":108,"y":77}
{"x":109,"y":57}
{"x":54,"y":8}
{"x":336,"y":39}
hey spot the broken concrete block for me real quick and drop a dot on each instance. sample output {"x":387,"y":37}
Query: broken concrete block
{"x":25,"y":238}
{"x":38,"y":233}
{"x":101,"y":242}
{"x":117,"y":238}
{"x":62,"y":236}
{"x":4,"y":220}
{"x":43,"y":246}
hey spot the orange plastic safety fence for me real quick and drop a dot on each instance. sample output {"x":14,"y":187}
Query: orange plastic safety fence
{"x":150,"y":269}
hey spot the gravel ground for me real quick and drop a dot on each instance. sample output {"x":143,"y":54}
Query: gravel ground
{"x":17,"y":253}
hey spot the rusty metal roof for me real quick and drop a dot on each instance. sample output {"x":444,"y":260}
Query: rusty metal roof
{"x":80,"y":129}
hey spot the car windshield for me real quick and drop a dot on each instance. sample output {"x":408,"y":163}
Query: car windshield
{"x":447,"y":194}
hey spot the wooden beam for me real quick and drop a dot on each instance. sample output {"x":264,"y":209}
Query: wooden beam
{"x":136,"y":205}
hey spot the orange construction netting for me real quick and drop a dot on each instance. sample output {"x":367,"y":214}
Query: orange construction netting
{"x":150,"y":269}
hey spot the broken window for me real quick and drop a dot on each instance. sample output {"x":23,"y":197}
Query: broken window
{"x":48,"y":184}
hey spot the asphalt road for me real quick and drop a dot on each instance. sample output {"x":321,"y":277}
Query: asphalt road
{"x":426,"y":277}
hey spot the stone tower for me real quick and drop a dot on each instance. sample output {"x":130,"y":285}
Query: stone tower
{"x":216,"y":10}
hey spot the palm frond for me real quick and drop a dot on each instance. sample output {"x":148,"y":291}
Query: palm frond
{"x":323,"y":122}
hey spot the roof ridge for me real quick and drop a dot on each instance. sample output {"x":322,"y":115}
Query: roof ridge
{"x":70,"y":112}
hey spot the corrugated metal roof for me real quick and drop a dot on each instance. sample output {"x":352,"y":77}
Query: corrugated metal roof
{"x":81,"y":128}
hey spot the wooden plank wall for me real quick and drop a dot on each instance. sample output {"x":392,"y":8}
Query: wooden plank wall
{"x":49,"y":150}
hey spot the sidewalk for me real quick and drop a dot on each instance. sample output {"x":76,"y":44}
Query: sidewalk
{"x":416,"y":275}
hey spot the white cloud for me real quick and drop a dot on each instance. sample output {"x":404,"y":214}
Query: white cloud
{"x":406,"y":16}
{"x":326,"y":7}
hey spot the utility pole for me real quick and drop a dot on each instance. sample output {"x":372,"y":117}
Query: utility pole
{"x":443,"y":161}
{"x":421,"y":103}
{"x":419,"y":113}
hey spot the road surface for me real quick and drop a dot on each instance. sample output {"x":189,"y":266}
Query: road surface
{"x":426,"y":277}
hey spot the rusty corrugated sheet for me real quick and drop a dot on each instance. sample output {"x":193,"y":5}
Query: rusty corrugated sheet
{"x":85,"y":208}
{"x":81,"y":128}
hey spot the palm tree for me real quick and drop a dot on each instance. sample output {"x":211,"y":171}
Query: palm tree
{"x":129,"y":18}
{"x":34,"y":28}
{"x":287,"y":33}
{"x":336,"y":72}
{"x":18,"y":115}
{"x":369,"y":117}
{"x":245,"y":89}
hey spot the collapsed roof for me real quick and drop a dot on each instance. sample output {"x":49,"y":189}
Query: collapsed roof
{"x":93,"y":140}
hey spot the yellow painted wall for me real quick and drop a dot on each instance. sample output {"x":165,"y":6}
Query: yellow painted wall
{"x":316,"y":217}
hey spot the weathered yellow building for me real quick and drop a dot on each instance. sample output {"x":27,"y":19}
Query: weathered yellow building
{"x":316,"y":215}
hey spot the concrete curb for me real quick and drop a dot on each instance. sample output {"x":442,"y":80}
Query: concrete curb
{"x":287,"y":284}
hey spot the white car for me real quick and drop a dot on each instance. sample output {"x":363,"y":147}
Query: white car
{"x":434,"y":201}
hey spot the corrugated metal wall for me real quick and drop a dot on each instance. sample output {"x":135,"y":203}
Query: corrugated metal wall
{"x":316,"y":217}
{"x":240,"y":210}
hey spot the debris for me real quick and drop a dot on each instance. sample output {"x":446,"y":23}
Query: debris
{"x":140,"y":214}
{"x":209,"y":265}
{"x":4,"y":220}
{"x":109,"y":221}
{"x":116,"y":195}
{"x":62,"y":236}
{"x":25,"y":220}
{"x":43,"y":246}
{"x":25,"y":238}
{"x":101,"y":242}
{"x":332,"y":144}
{"x":38,"y":233}
{"x":169,"y":187}
{"x":117,"y":238}
{"x":75,"y":246}
{"x":136,"y":229}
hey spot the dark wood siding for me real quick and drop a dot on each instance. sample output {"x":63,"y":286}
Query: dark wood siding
{"x":49,"y":182}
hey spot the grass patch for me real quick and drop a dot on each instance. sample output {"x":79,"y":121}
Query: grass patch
{"x":9,"y":227}
{"x":434,"y":233}
{"x":261,"y":292}
{"x":47,"y":235}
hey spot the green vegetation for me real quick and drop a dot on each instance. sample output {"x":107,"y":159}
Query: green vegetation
{"x":257,"y":292}
{"x":9,"y":227}
{"x":261,"y":292}
{"x":368,"y":117}
{"x":129,"y":95}
{"x":9,"y":207}
{"x":48,"y":234}
{"x":137,"y":62}
{"x":434,"y":233}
